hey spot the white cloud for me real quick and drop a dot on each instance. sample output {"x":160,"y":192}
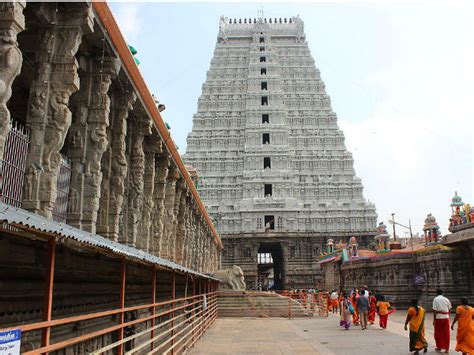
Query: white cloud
{"x":127,"y":17}
{"x":416,"y":148}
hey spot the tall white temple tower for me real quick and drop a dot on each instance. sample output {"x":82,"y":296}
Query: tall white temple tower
{"x":273,"y":168}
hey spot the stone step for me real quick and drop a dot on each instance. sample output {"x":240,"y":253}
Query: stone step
{"x":258,"y":304}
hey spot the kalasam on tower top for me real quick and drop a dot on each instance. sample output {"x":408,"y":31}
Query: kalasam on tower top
{"x":273,"y":168}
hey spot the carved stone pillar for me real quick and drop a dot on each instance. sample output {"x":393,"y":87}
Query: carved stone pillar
{"x":192,"y":239}
{"x":12,"y":22}
{"x":115,"y":169}
{"x":181,"y":227}
{"x":187,"y":228}
{"x":153,"y":147}
{"x":180,"y":186}
{"x":161,"y":175}
{"x":48,"y":116}
{"x":136,"y":182}
{"x":88,"y":141}
{"x":169,"y":221}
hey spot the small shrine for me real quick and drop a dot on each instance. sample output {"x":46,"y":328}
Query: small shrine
{"x":431,"y":230}
{"x":353,"y":248}
{"x":382,"y":238}
{"x":462,"y":214}
{"x":330,"y":246}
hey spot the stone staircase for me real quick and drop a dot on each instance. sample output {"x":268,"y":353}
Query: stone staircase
{"x":258,"y":304}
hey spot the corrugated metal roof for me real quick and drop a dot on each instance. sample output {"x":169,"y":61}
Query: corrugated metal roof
{"x":14,"y":215}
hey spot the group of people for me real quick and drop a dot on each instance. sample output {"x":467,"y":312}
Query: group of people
{"x":441,"y":311}
{"x":359,"y":307}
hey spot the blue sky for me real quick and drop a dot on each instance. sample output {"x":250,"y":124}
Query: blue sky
{"x":400,"y":77}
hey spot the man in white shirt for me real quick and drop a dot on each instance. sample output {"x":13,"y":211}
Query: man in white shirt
{"x":334,"y":301}
{"x":441,"y":308}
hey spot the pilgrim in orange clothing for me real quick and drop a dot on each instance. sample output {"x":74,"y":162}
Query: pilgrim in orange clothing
{"x":355,"y":315}
{"x":416,"y":318}
{"x":372,"y":309}
{"x":383,"y":312}
{"x":465,"y":334}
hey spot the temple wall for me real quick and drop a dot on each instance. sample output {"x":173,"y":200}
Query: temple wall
{"x":394,"y":277}
{"x":300,"y":252}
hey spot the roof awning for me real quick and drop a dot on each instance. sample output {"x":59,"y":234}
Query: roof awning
{"x":32,"y":223}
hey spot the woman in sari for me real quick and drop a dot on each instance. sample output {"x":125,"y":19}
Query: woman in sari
{"x":372,"y":309}
{"x":416,"y":318}
{"x":346,"y":314}
{"x":353,"y":300}
{"x":465,"y":335}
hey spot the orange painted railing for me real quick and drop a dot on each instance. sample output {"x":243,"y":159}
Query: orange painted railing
{"x":104,"y":15}
{"x":187,"y":320}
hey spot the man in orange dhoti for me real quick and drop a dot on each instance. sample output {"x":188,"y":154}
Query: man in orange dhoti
{"x":465,"y":335}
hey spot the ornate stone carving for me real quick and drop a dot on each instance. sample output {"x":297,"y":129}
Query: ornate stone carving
{"x":113,"y":201}
{"x":136,"y":182}
{"x":161,"y":175}
{"x":12,"y":21}
{"x":170,"y":196}
{"x":49,"y":117}
{"x":153,"y":146}
{"x":91,"y":121}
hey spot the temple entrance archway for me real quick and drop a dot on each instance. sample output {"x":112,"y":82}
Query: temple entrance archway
{"x":270,"y":267}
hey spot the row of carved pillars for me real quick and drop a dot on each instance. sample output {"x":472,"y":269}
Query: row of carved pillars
{"x":124,"y":184}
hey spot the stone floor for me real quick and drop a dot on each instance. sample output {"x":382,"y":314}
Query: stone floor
{"x":306,"y":336}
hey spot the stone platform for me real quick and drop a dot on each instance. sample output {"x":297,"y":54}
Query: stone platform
{"x":307,"y":336}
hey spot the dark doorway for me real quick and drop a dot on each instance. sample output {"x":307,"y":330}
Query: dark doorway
{"x":269,"y":223}
{"x":270,"y":267}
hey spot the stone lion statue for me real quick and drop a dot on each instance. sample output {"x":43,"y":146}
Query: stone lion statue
{"x":233,"y":277}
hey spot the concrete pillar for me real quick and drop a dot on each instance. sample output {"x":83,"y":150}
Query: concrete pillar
{"x":12,"y":22}
{"x":115,"y":167}
{"x":48,"y":116}
{"x":88,"y":140}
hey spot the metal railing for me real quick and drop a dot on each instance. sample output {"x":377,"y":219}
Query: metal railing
{"x":172,"y":327}
{"x":13,"y":165}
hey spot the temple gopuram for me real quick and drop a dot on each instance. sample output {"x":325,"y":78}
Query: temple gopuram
{"x":105,"y":243}
{"x":417,"y":269}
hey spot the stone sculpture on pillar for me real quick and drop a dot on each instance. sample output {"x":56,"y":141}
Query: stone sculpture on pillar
{"x":153,"y":146}
{"x":12,"y":22}
{"x":88,"y":140}
{"x":170,"y":195}
{"x":136,"y":174}
{"x":161,"y":174}
{"x":113,"y":197}
{"x":48,"y":116}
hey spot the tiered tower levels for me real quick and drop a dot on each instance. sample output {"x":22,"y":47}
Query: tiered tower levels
{"x":265,"y":141}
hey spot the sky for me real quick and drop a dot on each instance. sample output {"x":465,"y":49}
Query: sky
{"x":400,"y":76}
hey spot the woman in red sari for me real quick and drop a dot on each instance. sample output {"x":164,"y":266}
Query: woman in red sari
{"x":372,"y":309}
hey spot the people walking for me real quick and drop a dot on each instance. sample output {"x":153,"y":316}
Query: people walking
{"x":347,"y":311}
{"x":334,"y":301}
{"x":416,"y":318}
{"x":465,"y":334}
{"x":362,"y":309}
{"x":353,"y":300}
{"x":372,"y":309}
{"x":383,"y":307}
{"x":441,"y":308}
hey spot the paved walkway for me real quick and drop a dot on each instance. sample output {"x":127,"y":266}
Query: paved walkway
{"x":306,"y":336}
